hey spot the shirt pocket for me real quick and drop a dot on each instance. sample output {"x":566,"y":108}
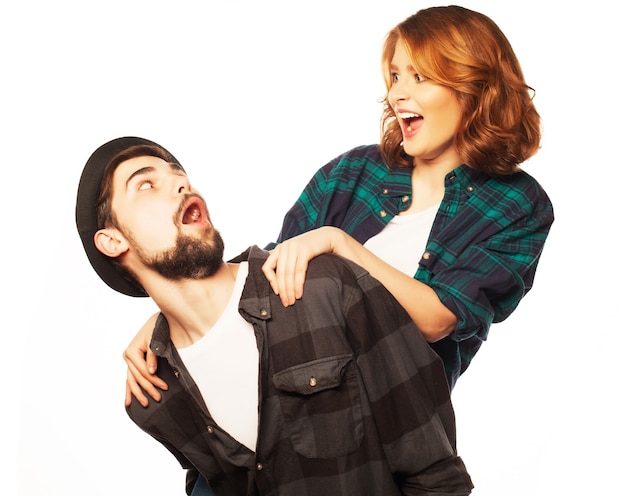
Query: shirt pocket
{"x":321,"y":405}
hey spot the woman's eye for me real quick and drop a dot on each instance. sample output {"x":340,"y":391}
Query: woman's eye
{"x":419,"y":78}
{"x":394,"y":77}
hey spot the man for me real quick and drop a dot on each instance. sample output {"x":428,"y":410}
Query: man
{"x":337,"y":394}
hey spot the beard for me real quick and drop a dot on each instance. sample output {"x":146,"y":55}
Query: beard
{"x":190,"y":258}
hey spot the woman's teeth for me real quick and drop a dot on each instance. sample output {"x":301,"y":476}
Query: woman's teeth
{"x":408,"y":117}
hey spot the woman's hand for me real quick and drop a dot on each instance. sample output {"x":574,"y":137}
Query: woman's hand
{"x":142,"y":364}
{"x":286,"y":266}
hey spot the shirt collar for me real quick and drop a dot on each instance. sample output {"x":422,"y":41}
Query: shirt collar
{"x":255,"y":299}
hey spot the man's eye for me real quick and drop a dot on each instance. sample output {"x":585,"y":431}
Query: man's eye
{"x":145,"y":185}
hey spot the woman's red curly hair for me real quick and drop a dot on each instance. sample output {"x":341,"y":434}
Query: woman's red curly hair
{"x":467,"y":52}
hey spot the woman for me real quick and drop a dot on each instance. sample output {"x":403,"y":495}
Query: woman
{"x":440,"y":211}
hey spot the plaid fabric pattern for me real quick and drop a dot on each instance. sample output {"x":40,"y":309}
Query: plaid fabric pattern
{"x":483,"y":249}
{"x":352,"y":400}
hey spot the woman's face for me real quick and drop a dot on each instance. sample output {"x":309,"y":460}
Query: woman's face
{"x":428,"y":113}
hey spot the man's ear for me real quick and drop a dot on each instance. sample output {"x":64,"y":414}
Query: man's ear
{"x":110,"y":242}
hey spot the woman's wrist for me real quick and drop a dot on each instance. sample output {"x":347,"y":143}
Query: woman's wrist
{"x":343,"y":244}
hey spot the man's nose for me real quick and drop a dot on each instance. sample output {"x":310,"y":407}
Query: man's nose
{"x":182,"y":186}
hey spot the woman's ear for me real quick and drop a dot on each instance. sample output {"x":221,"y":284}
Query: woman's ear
{"x":110,"y":242}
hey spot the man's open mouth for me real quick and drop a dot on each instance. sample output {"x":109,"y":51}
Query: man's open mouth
{"x":193,"y":212}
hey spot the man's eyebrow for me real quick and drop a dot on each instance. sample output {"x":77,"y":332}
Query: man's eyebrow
{"x":147,"y":170}
{"x":139,"y":172}
{"x":177,"y":167}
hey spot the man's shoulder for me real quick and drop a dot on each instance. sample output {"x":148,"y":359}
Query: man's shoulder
{"x":337,"y":268}
{"x":333,"y":270}
{"x":326,"y":263}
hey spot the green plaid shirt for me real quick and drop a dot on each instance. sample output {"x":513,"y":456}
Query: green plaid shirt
{"x":483,"y":249}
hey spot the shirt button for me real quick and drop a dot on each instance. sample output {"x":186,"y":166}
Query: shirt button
{"x":405,"y":198}
{"x":385,"y":191}
{"x":383,"y":213}
{"x":259,"y":466}
{"x":470,"y":188}
{"x":177,"y":373}
{"x":209,"y":429}
{"x":426,"y":255}
{"x":263,"y":313}
{"x":312,"y":382}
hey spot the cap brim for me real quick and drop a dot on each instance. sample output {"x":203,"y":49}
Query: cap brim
{"x":86,"y":217}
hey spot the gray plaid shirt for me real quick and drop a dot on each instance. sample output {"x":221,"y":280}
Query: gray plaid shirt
{"x":352,"y":400}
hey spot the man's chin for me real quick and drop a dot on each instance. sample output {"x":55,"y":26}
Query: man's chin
{"x":191,"y":258}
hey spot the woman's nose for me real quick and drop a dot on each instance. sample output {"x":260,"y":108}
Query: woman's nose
{"x":397,"y":93}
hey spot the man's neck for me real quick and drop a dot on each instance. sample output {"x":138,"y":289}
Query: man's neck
{"x":192,"y":307}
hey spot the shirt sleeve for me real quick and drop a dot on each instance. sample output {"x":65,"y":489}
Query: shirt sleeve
{"x":345,"y":193}
{"x":485,"y":280}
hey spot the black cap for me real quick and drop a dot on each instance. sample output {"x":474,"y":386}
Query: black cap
{"x":86,"y":215}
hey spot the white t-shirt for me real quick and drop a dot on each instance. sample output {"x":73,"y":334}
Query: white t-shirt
{"x":403,"y":240}
{"x":225,"y":366}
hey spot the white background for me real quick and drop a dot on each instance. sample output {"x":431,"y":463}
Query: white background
{"x":252,"y":97}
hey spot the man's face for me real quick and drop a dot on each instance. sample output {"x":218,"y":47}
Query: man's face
{"x":165,"y":220}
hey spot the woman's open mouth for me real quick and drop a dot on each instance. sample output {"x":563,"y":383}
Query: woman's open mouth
{"x":410,"y":122}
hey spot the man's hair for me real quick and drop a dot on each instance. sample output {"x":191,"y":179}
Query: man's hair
{"x":467,"y":52}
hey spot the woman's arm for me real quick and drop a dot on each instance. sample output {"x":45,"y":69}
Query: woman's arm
{"x":141,"y":375}
{"x":286,"y":267}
